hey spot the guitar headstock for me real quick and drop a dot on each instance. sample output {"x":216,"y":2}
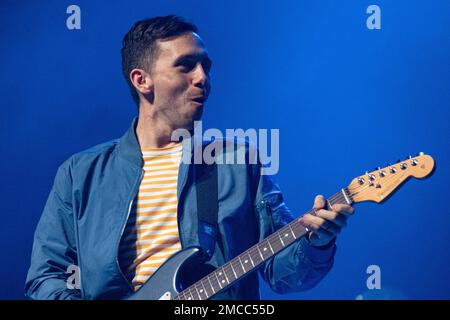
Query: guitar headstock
{"x":379,"y":184}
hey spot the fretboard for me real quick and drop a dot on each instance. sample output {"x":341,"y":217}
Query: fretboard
{"x":253,"y":257}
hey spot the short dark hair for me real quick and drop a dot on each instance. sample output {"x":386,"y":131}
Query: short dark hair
{"x":139,"y":47}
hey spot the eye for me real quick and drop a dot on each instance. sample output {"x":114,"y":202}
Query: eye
{"x":187,"y":65}
{"x":207,"y":64}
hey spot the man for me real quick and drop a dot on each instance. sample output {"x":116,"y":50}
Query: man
{"x":118,"y":210}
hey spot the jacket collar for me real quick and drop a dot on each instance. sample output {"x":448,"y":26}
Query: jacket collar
{"x":130,"y":150}
{"x":128,"y":146}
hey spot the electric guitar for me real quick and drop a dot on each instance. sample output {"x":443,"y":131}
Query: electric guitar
{"x":168,"y":283}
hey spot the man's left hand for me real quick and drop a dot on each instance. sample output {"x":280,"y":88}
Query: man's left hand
{"x":325,"y":224}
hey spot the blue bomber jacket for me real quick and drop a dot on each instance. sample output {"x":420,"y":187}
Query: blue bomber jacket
{"x":87,"y":209}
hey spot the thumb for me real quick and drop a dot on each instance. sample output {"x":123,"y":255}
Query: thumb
{"x":319,"y":202}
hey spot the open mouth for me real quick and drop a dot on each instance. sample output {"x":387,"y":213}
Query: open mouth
{"x":200,"y":99}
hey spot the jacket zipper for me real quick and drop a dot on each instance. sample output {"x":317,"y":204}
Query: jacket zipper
{"x":123,"y":229}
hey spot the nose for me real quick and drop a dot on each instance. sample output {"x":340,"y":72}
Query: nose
{"x":200,"y":77}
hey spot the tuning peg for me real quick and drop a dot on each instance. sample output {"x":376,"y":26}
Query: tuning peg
{"x":420,"y":153}
{"x":371,"y":176}
{"x":382,"y":173}
{"x":413,"y":161}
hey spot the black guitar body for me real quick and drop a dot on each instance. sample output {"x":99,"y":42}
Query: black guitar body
{"x":177,"y":273}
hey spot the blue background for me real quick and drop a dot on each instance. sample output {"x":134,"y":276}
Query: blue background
{"x":346,"y":99}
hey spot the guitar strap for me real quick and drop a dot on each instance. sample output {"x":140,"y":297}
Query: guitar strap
{"x":207,"y":205}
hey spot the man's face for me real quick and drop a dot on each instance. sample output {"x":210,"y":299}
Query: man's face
{"x":181,"y":80}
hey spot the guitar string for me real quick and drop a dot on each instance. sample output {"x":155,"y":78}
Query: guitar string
{"x":255,"y":252}
{"x":252,"y":252}
{"x":294,"y":224}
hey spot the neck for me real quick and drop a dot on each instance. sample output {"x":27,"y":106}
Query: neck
{"x":151,"y":132}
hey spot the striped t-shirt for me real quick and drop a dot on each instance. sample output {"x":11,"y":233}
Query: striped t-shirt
{"x":151,"y":233}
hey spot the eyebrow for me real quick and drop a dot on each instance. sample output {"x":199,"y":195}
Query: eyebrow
{"x":194,"y":56}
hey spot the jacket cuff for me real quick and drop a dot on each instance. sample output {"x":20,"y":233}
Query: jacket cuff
{"x":319,"y":255}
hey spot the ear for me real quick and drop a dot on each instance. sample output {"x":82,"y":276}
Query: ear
{"x":142,"y":81}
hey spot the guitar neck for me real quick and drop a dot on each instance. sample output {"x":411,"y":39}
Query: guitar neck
{"x":252,"y":258}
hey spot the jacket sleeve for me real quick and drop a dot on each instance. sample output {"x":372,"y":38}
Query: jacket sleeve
{"x":54,"y":246}
{"x":300,"y":266}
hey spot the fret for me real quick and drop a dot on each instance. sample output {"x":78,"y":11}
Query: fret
{"x":329,"y":205}
{"x":293,"y":234}
{"x":204,"y":289}
{"x":225,"y":274}
{"x":254,"y":256}
{"x":212,"y":287}
{"x":234,"y":272}
{"x":250,"y":257}
{"x":345,"y":196}
{"x":281,"y":239}
{"x":218,"y":281}
{"x":265,"y":249}
{"x":236,"y":263}
{"x":198,"y":294}
{"x":275,"y":242}
{"x":270,"y":246}
{"x":259,"y":251}
{"x":287,"y":235}
{"x":228,"y":272}
{"x":242,"y":264}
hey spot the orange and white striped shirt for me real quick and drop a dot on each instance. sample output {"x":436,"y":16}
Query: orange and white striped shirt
{"x":151,"y":234}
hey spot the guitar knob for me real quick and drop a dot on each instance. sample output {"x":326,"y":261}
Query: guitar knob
{"x":393,"y":170}
{"x":403,"y":166}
